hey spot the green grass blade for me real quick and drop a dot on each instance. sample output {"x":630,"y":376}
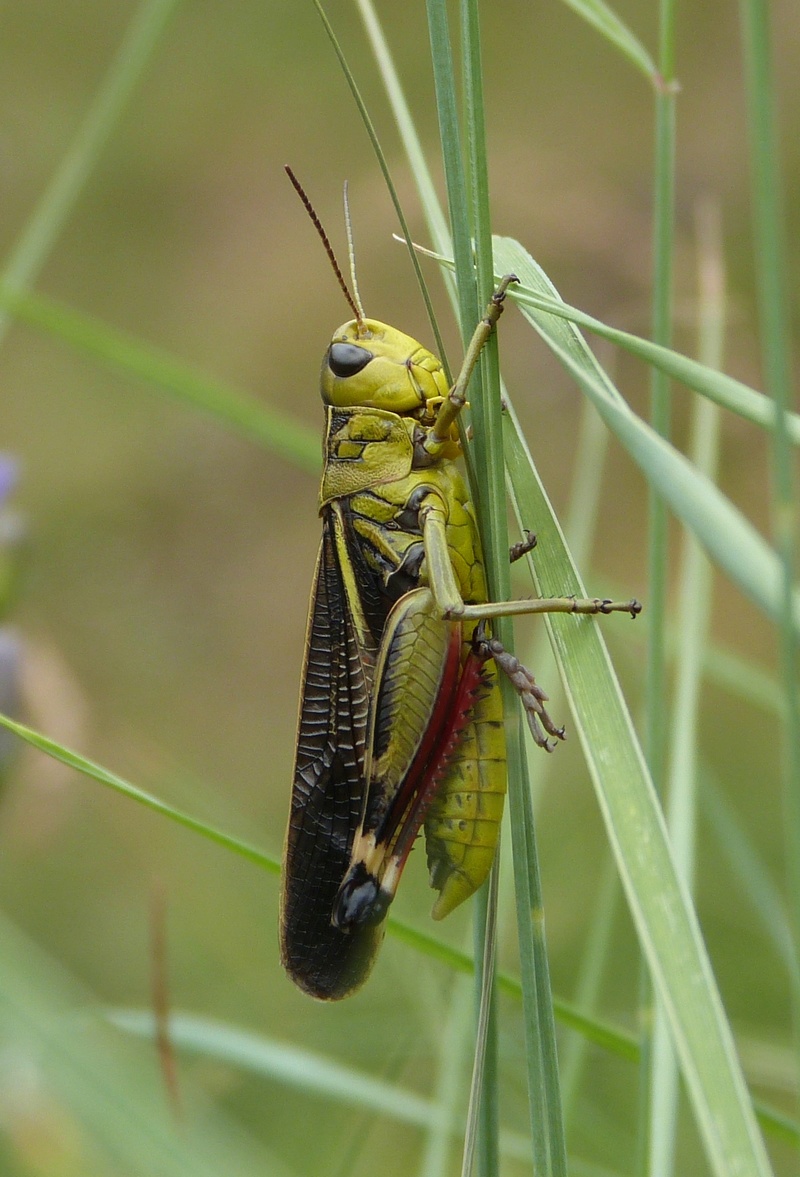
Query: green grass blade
{"x":746,"y":864}
{"x":481,"y":1135}
{"x":580,"y":529}
{"x":543,"y":1071}
{"x":660,"y":398}
{"x":454,"y":1048}
{"x":304,"y":1070}
{"x":283,"y":1062}
{"x":320,"y":1075}
{"x":743,"y":679}
{"x":723,"y":531}
{"x":777,"y":1123}
{"x":468,"y":202}
{"x":661,"y":909}
{"x":405,"y":124}
{"x":596,"y":1031}
{"x":44,"y":225}
{"x":96,"y":772}
{"x":594,"y":961}
{"x":383,"y":163}
{"x":692,"y":623}
{"x":488,"y":466}
{"x":450,"y":132}
{"x":602,"y":1034}
{"x":84,"y":1102}
{"x":724,"y":390}
{"x":771,"y":252}
{"x":275,"y":431}
{"x":655,"y":693}
{"x":668,"y":358}
{"x":603,"y":18}
{"x":452,"y":160}
{"x":543,"y":1077}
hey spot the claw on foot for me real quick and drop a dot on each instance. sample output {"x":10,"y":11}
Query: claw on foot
{"x":522,"y":546}
{"x":532,"y":697}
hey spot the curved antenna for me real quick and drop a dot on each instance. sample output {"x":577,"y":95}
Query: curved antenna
{"x":298,"y":187}
{"x":351,"y":250}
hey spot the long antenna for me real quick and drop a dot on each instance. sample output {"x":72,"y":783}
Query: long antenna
{"x":298,"y":187}
{"x":351,"y":249}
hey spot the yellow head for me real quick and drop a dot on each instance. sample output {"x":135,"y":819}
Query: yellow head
{"x":378,"y":367}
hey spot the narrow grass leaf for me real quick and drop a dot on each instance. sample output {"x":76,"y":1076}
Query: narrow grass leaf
{"x":283,"y":1062}
{"x":268,"y":427}
{"x":452,"y":160}
{"x":383,"y":163}
{"x":603,"y":18}
{"x":602,"y":1034}
{"x":692,"y":623}
{"x":97,"y":773}
{"x":655,"y":685}
{"x":405,"y":123}
{"x":304,"y":1070}
{"x":77,"y":1100}
{"x":488,"y":475}
{"x":660,"y":906}
{"x":594,"y":961}
{"x":453,"y":1049}
{"x":746,"y":864}
{"x":50,"y":214}
{"x":775,"y":317}
{"x":724,"y":390}
{"x":730,"y":539}
{"x":469,"y":210}
{"x":487,"y":446}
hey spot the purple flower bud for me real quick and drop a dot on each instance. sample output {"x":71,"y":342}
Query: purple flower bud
{"x":9,"y":473}
{"x":10,"y":656}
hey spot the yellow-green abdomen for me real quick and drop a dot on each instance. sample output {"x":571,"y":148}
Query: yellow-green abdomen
{"x":463,"y":824}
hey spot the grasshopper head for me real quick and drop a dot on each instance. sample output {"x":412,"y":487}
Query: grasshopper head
{"x":378,"y":367}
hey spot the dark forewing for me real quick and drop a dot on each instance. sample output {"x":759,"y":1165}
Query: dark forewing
{"x":327,"y":793}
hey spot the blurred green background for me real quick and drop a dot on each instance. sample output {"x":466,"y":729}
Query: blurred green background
{"x":167,"y":562}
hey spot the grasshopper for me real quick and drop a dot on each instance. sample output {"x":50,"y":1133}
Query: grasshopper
{"x":401,"y":717}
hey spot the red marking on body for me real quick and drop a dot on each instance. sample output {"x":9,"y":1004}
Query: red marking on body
{"x":446,"y":701}
{"x":450,"y":733}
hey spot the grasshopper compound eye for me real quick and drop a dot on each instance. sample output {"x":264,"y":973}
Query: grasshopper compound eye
{"x":347,"y":359}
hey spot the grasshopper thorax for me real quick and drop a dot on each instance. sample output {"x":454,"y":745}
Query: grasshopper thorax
{"x":375,"y":366}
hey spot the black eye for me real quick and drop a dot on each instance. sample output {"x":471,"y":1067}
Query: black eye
{"x":346,"y":359}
